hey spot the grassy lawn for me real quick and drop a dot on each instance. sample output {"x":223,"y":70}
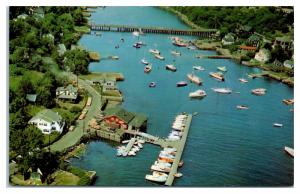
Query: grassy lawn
{"x":102,"y":76}
{"x":18,"y":179}
{"x":64,"y":178}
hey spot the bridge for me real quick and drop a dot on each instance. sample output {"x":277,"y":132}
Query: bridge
{"x":205,"y":33}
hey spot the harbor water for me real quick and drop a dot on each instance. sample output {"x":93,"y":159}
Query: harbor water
{"x":225,"y":146}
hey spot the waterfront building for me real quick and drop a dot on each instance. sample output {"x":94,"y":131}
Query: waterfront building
{"x":67,"y":93}
{"x":47,"y":121}
{"x":263,"y":55}
{"x":119,"y":118}
{"x":285,"y":42}
{"x":248,"y":48}
{"x":228,"y":39}
{"x":288,"y":64}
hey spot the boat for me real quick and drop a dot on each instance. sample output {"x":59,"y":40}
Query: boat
{"x":222,"y":90}
{"x":277,"y":125}
{"x":144,"y":61}
{"x":259,"y":91}
{"x":160,"y":168}
{"x":242,"y":107}
{"x":289,"y":150}
{"x":141,"y":141}
{"x":141,"y":43}
{"x":135,"y":33}
{"x":199,"y":68}
{"x":197,"y":94}
{"x":168,"y":160}
{"x":222,"y":68}
{"x":125,"y":141}
{"x":178,"y":175}
{"x":140,"y":145}
{"x":115,"y":57}
{"x":170,"y":149}
{"x":148,"y":68}
{"x":98,"y":34}
{"x":171,"y":67}
{"x":179,"y":43}
{"x":154,"y":51}
{"x":131,"y":153}
{"x":136,"y":45}
{"x":218,"y":76}
{"x":180,"y":164}
{"x":165,"y":164}
{"x":158,"y":56}
{"x":243,"y":80}
{"x":152,"y":84}
{"x":288,"y":101}
{"x":157,"y":177}
{"x":176,"y":53}
{"x":192,"y":47}
{"x":195,"y":79}
{"x":181,"y":84}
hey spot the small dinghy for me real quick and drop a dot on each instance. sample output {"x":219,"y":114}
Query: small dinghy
{"x":277,"y":125}
{"x":152,"y":85}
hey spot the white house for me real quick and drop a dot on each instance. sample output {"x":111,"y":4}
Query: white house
{"x":48,"y":121}
{"x":263,"y":55}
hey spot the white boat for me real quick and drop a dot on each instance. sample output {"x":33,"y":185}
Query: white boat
{"x":131,"y":153}
{"x":242,"y":107}
{"x":158,"y":56}
{"x":178,"y":175}
{"x":164,"y":164}
{"x":171,"y":67}
{"x":175,"y":53}
{"x":125,"y":141}
{"x":222,"y":68}
{"x":136,"y":148}
{"x":192,"y":47}
{"x":243,"y":80}
{"x":160,"y":168}
{"x":170,"y":149}
{"x":289,"y":150}
{"x":115,"y":57}
{"x":166,"y":156}
{"x":197,"y":94}
{"x":148,"y":68}
{"x":140,"y":145}
{"x":199,"y":68}
{"x":168,"y":152}
{"x":259,"y":91}
{"x":154,"y":51}
{"x":277,"y":125}
{"x":195,"y":79}
{"x":159,"y":179}
{"x":218,"y":76}
{"x":144,"y":61}
{"x":222,"y":90}
{"x":135,"y":33}
{"x":141,"y":141}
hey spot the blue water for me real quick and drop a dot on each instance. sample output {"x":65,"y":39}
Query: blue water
{"x":225,"y":146}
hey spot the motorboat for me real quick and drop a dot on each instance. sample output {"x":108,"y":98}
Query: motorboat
{"x":171,"y":67}
{"x":131,"y":153}
{"x":152,"y":84}
{"x":181,"y":84}
{"x":176,"y":53}
{"x":168,"y":152}
{"x":157,"y":177}
{"x":166,"y":156}
{"x":141,"y":43}
{"x":136,"y":45}
{"x":179,"y":43}
{"x":242,"y":107}
{"x":125,"y":141}
{"x":140,"y":145}
{"x":115,"y":57}
{"x":178,"y":175}
{"x":158,"y":56}
{"x":288,"y":101}
{"x":192,"y":47}
{"x":165,"y":164}
{"x":144,"y":61}
{"x":160,"y":168}
{"x":199,"y":68}
{"x":168,"y":160}
{"x":259,"y":91}
{"x":180,"y":164}
{"x":277,"y":125}
{"x":222,"y":68}
{"x":154,"y":51}
{"x":197,"y":94}
{"x":243,"y":80}
{"x":195,"y":79}
{"x":148,"y":68}
{"x":141,"y":141}
{"x":170,"y":149}
{"x":222,"y":90}
{"x":289,"y":150}
{"x":218,"y":76}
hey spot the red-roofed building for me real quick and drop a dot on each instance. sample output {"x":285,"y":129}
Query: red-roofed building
{"x":248,"y":48}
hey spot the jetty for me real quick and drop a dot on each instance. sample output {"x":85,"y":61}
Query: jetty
{"x":129,"y":145}
{"x":207,"y":33}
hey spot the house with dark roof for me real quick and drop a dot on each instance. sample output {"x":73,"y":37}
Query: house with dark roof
{"x":67,"y":93}
{"x":119,"y":118}
{"x":47,"y":121}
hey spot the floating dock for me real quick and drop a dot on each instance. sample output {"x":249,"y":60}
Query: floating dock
{"x":179,"y":145}
{"x":129,"y":145}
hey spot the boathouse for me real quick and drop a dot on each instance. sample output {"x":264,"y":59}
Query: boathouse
{"x":119,"y":118}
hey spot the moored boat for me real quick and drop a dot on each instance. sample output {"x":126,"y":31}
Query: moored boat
{"x":277,"y":125}
{"x":168,"y":160}
{"x":135,"y":45}
{"x":218,"y":76}
{"x":288,"y":101}
{"x":176,"y":53}
{"x":195,"y":79}
{"x":158,"y":56}
{"x":178,"y":175}
{"x":289,"y":150}
{"x":154,"y":51}
{"x":222,"y":90}
{"x":152,"y":84}
{"x":179,"y":43}
{"x":171,"y":67}
{"x":259,"y":91}
{"x":242,"y":107}
{"x":243,"y":80}
{"x":181,"y":84}
{"x":222,"y":68}
{"x":144,"y":61}
{"x":199,"y":68}
{"x":160,"y":168}
{"x":148,"y":68}
{"x":197,"y":94}
{"x":157,"y":177}
{"x":192,"y":47}
{"x":115,"y":57}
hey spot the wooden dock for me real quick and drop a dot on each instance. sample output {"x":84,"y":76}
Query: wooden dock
{"x":129,"y":145}
{"x":206,"y":33}
{"x":180,"y":147}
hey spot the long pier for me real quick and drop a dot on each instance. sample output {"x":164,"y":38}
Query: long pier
{"x":206,"y":33}
{"x":178,"y":144}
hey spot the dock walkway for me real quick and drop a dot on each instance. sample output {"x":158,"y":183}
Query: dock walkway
{"x":129,"y":145}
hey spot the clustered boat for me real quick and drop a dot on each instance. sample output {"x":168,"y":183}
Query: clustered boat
{"x":171,"y":67}
{"x":259,"y":91}
{"x":154,"y":51}
{"x":148,"y":68}
{"x":144,"y":61}
{"x":222,"y":68}
{"x":289,"y":150}
{"x":176,"y":53}
{"x":222,"y":90}
{"x":121,"y":151}
{"x":197,"y":94}
{"x":195,"y":79}
{"x":181,"y":84}
{"x":242,"y":107}
{"x":288,"y":101}
{"x":243,"y":80}
{"x":219,"y":76}
{"x":199,"y":68}
{"x":158,"y":56}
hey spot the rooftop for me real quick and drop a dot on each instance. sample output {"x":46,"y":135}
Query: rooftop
{"x":138,"y":120}
{"x":248,"y":47}
{"x":119,"y":112}
{"x":47,"y":115}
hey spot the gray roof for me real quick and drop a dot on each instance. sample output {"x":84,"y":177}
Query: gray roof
{"x":69,"y":88}
{"x":31,"y":97}
{"x":47,"y":115}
